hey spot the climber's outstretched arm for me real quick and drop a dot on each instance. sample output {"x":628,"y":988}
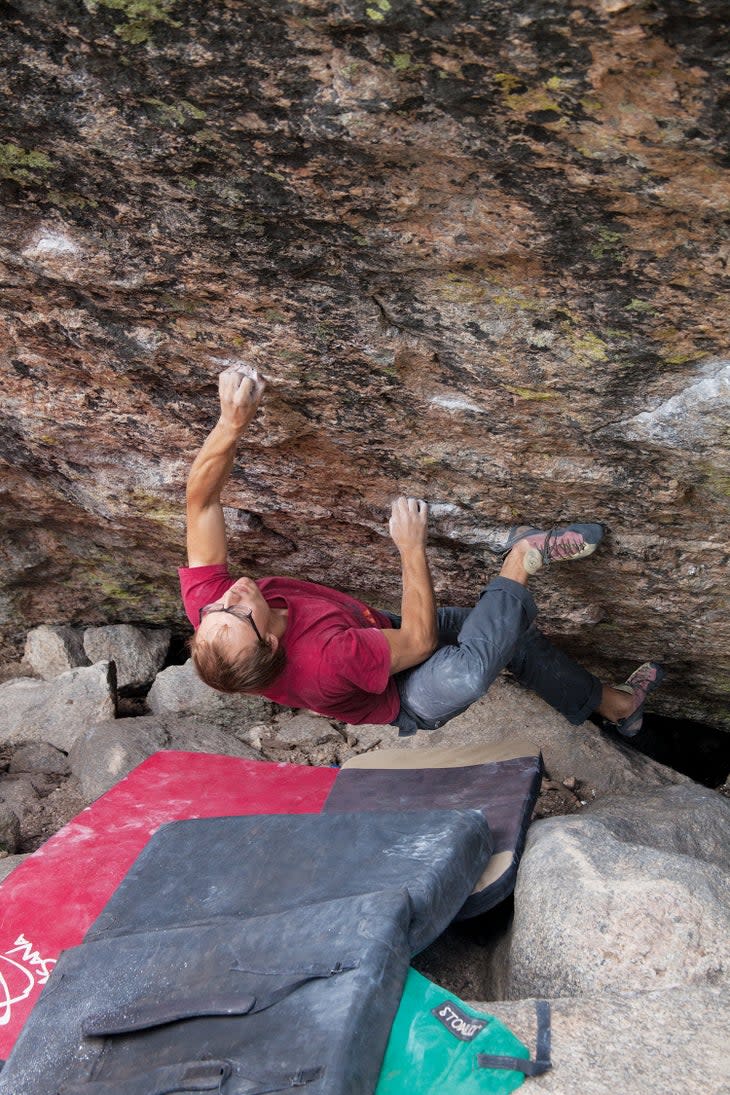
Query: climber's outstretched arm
{"x":240,"y":389}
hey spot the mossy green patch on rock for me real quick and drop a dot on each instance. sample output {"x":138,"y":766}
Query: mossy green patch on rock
{"x":154,"y":508}
{"x":530,"y":393}
{"x":142,"y":15}
{"x":508,"y":81}
{"x":185,"y":306}
{"x":525,"y":99}
{"x":588,"y":346}
{"x":206,"y":136}
{"x":517,"y":302}
{"x":352,"y":69}
{"x":22,"y":166}
{"x":66,"y":199}
{"x":460,"y":289}
{"x":637,"y":305}
{"x":608,"y":245}
{"x":176,"y":113}
{"x":683,"y":357}
{"x":379,"y":11}
{"x":404,"y":64}
{"x":114,"y":592}
{"x":716,"y":481}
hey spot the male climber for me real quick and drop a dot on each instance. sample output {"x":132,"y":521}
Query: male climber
{"x":306,"y":645}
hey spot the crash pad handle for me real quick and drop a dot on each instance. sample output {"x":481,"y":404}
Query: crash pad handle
{"x":147,"y":1013}
{"x":542,"y":1060}
{"x":185,"y":1076}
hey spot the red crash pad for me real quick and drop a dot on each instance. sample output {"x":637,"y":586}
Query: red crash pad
{"x":50,"y":900}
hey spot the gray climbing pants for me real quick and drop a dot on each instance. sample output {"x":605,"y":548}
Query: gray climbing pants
{"x":475,"y":645}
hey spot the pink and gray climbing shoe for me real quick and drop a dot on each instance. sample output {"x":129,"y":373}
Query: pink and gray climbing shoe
{"x":641,"y":682}
{"x":558,"y":545}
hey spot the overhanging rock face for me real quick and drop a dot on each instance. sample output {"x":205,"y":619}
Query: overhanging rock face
{"x":477,"y":247}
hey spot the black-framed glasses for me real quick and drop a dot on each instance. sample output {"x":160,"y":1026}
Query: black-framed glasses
{"x":239,"y":613}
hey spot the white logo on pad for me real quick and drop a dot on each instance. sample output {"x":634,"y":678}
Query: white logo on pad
{"x":21,"y":969}
{"x":463,"y":1026}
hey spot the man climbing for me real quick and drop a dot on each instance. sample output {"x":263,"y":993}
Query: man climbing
{"x":306,"y":645}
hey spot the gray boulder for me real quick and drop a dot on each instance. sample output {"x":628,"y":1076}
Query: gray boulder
{"x":39,"y":756}
{"x":53,"y":650}
{"x":308,"y":739}
{"x":302,"y":731}
{"x":178,"y":690}
{"x":106,"y":752}
{"x":687,"y":819}
{"x":672,"y":1042}
{"x":9,"y":863}
{"x":9,"y":829}
{"x":138,"y":652}
{"x":56,"y":711}
{"x":18,"y":795}
{"x":616,"y":899}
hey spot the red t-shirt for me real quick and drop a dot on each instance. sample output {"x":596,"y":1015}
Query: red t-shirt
{"x":337,"y":659}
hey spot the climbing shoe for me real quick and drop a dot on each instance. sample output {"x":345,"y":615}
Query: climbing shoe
{"x":558,"y":545}
{"x":641,"y":682}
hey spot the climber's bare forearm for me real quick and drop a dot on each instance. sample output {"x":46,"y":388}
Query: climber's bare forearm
{"x":417,"y":636}
{"x":212,"y":466}
{"x":240,"y":395}
{"x":206,"y":531}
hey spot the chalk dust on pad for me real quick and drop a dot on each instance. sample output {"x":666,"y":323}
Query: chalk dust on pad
{"x":186,"y":871}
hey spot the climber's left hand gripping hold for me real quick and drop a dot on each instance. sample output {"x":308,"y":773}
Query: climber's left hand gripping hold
{"x":241,"y":390}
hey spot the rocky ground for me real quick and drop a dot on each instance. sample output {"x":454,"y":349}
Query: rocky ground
{"x":71,"y":728}
{"x":620,"y":914}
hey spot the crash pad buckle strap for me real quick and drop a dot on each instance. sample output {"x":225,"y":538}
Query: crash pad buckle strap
{"x":305,"y":1076}
{"x":542,"y":1060}
{"x":185,"y":1076}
